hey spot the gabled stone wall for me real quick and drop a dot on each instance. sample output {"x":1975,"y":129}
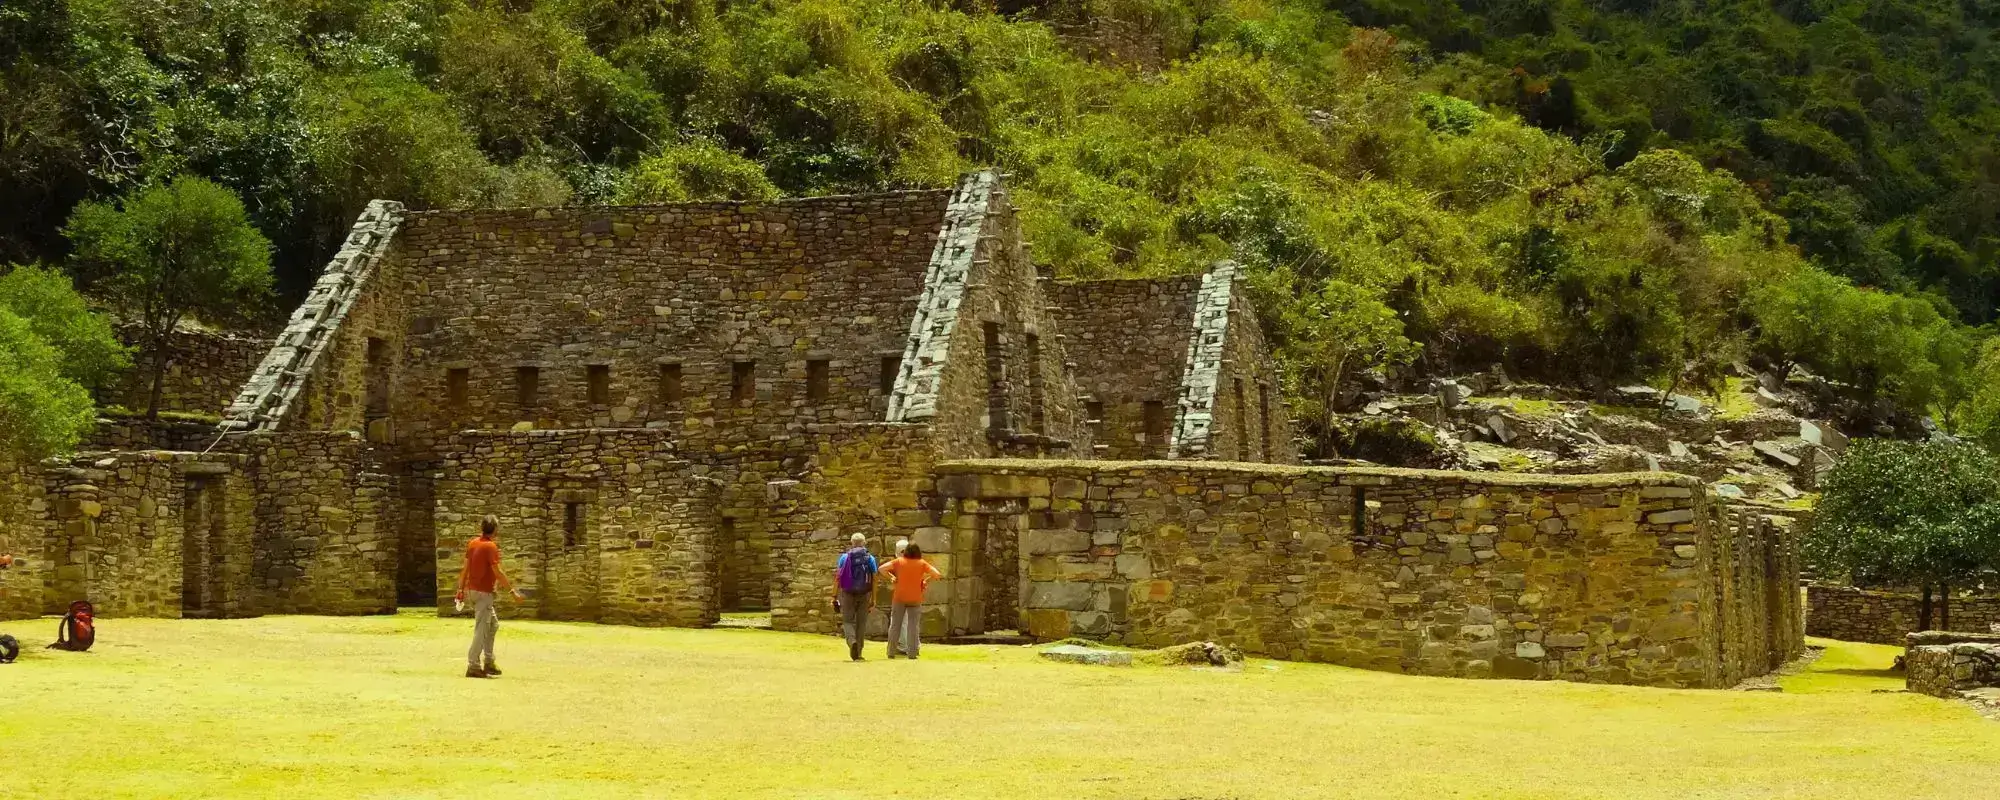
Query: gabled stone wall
{"x":596,"y":525}
{"x":1129,"y":339}
{"x":986,"y":367}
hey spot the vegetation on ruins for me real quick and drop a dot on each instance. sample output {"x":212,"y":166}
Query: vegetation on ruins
{"x":178,"y":249}
{"x":1923,"y":514}
{"x":53,"y":349}
{"x":1586,"y":194}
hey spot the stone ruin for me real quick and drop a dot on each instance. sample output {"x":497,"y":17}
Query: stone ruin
{"x":681,"y":410}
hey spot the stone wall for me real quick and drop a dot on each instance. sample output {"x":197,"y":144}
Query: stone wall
{"x":596,"y":525}
{"x":1130,"y":340}
{"x":985,"y":365}
{"x":1882,"y":617}
{"x":1948,"y":665}
{"x":1250,"y":419}
{"x":326,"y":522}
{"x":146,"y":533}
{"x":22,"y":506}
{"x":1754,"y":572}
{"x":1588,"y":578}
{"x":139,"y":433}
{"x":740,"y":299}
{"x":867,"y":479}
{"x":204,"y":370}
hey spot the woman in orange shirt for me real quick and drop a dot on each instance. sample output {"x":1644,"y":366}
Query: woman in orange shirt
{"x":910,"y":575}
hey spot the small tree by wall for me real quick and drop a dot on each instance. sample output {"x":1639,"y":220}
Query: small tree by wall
{"x":1906,"y":513}
{"x":169,"y":251}
{"x":52,"y":350}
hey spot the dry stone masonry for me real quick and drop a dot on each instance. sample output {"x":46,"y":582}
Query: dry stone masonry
{"x":681,"y":410}
{"x":1954,"y":665}
{"x":1884,"y":617}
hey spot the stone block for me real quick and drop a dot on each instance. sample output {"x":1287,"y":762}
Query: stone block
{"x":1036,"y":542}
{"x":1671,"y":517}
{"x":1056,"y":594}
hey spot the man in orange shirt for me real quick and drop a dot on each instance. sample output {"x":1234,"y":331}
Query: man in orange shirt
{"x":911,"y":575}
{"x":475,"y":583}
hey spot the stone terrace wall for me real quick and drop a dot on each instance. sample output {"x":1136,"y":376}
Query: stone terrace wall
{"x":1129,"y":339}
{"x":1587,"y":578}
{"x":640,"y":548}
{"x":869,"y":479}
{"x":22,"y":506}
{"x":204,"y":370}
{"x":634,"y":289}
{"x":1859,"y":615}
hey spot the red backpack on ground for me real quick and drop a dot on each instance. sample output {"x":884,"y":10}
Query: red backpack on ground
{"x":78,"y":629}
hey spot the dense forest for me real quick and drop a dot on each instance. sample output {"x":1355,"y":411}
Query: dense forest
{"x":1585,"y":193}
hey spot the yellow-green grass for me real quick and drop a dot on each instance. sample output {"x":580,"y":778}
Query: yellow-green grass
{"x":310,"y":707}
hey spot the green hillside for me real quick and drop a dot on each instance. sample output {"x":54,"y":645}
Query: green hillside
{"x":1587,"y":195}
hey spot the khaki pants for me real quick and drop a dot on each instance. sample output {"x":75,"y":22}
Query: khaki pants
{"x":485,"y":625}
{"x":854,"y":620}
{"x":906,"y":620}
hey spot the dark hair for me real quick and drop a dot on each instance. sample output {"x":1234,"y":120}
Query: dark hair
{"x":488,"y":525}
{"x":913,"y":551}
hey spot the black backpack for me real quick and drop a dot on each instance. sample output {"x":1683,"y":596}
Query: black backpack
{"x":9,"y":649}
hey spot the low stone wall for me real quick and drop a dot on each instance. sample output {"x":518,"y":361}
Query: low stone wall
{"x":597,"y":525}
{"x":139,"y":433}
{"x":266,"y":523}
{"x":23,"y":582}
{"x":204,"y":370}
{"x":1860,"y":615}
{"x":1589,"y":578}
{"x":1948,"y":664}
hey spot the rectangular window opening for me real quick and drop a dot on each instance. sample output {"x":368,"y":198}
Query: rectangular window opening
{"x":891,"y":367}
{"x":572,"y":524}
{"x":1239,"y":427}
{"x":1264,"y":421}
{"x":597,"y":378}
{"x":743,"y":381}
{"x":457,"y":386}
{"x":817,"y":379}
{"x":1156,"y":428}
{"x":527,"y":386}
{"x":1036,"y":421}
{"x":996,"y":379}
{"x":670,"y":384}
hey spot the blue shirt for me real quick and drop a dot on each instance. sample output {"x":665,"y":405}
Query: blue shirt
{"x":840,"y":566}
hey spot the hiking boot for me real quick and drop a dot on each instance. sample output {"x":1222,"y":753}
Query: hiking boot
{"x":492,"y":671}
{"x":474,"y":672}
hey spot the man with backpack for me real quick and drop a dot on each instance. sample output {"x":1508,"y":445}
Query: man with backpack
{"x":854,"y":581}
{"x":475,"y":584}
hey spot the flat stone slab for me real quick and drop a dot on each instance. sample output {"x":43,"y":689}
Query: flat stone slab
{"x":1077,"y":654}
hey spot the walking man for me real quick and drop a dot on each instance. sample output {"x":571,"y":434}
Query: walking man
{"x":475,"y":586}
{"x":854,"y":577}
{"x":910,"y":575}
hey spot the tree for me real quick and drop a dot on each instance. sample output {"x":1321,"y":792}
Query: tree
{"x":1925,"y":514}
{"x":90,"y":354}
{"x":170,"y":251}
{"x":51,"y":348}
